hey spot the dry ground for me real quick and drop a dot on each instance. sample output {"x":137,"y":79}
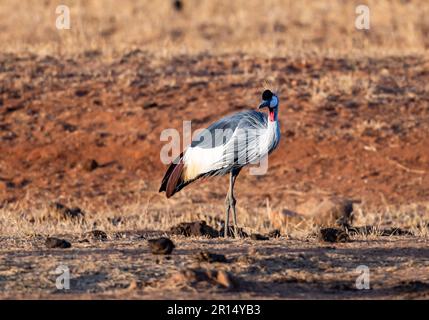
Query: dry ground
{"x":281,"y":268}
{"x":81,"y":115}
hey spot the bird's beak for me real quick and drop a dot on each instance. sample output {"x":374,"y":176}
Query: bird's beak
{"x":264,"y":104}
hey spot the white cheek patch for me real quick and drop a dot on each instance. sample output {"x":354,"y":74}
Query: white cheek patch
{"x":274,"y":102}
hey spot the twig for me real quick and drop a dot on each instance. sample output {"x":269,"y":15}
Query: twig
{"x":406,"y":168}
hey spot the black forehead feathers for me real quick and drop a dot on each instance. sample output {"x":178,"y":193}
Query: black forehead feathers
{"x":267,"y":95}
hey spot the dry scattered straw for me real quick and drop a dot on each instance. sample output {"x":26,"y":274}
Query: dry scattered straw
{"x":273,"y":27}
{"x":22,"y":220}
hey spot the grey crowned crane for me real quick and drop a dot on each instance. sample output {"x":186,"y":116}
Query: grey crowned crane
{"x":226,"y":146}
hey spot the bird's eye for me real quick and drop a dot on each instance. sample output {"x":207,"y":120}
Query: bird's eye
{"x":267,"y":95}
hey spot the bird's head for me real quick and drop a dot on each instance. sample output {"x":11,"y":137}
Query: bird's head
{"x":270,"y":101}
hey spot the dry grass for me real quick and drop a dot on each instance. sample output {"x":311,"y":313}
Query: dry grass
{"x":273,"y":28}
{"x":20,"y":220}
{"x":413,"y":217}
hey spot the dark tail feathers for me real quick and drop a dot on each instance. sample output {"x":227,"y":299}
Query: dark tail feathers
{"x":172,"y":181}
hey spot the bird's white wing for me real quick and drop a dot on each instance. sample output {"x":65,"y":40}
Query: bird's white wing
{"x":233,"y":141}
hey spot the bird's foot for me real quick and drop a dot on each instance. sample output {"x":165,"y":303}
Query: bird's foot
{"x":235,"y":232}
{"x":232,"y":232}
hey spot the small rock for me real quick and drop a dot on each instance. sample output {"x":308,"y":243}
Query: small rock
{"x":150,"y":105}
{"x":210,"y":257}
{"x":161,"y":245}
{"x":90,"y":165}
{"x":96,"y":235}
{"x":194,"y":229}
{"x":274,"y":233}
{"x":256,"y":236}
{"x":68,"y":127}
{"x":81,"y":92}
{"x":52,"y":242}
{"x":333,"y":235}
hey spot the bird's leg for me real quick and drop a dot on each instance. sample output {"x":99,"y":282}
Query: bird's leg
{"x":234,"y":214}
{"x":227,"y":208}
{"x":232,"y":201}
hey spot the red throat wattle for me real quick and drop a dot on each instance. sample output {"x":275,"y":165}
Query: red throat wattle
{"x":271,"y":114}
